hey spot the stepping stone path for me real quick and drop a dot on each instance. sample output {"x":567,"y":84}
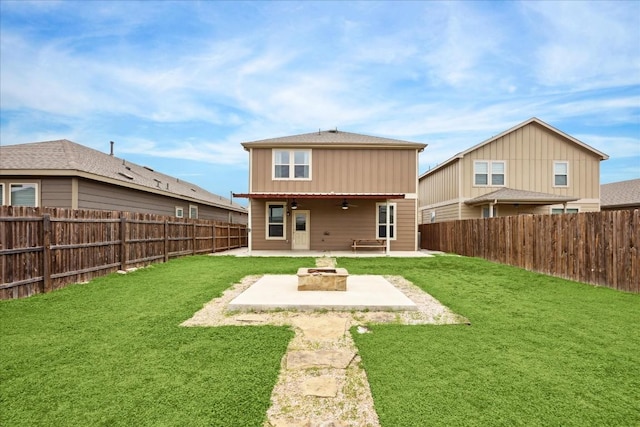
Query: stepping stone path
{"x":321,"y":382}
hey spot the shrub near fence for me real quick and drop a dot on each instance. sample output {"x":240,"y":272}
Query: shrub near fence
{"x":43,"y":249}
{"x":601,"y":248}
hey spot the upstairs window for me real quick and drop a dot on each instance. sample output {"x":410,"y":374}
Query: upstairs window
{"x":489,"y":173}
{"x":24,"y":195}
{"x":291,"y":164}
{"x":275,"y":221}
{"x":381,"y":233}
{"x":560,"y":174}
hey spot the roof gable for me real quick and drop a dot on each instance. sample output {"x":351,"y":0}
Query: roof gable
{"x":336,"y":138}
{"x":569,"y":138}
{"x":43,"y":158}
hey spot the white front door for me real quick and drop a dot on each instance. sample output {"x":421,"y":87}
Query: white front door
{"x":300,"y":230}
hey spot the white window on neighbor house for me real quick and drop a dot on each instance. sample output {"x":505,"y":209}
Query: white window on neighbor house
{"x":193,"y":211}
{"x":568,"y":210}
{"x":560,"y":174}
{"x":381,"y":232}
{"x":489,"y":173}
{"x":179,"y":212}
{"x":1,"y":194}
{"x":486,"y":212}
{"x":292,"y":164}
{"x":24,"y":195}
{"x":275,"y":221}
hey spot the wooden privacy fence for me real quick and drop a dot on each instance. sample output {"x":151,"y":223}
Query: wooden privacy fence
{"x":601,"y":248}
{"x":42,"y":249}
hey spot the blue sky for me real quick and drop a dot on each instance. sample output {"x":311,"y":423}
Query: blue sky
{"x":179,"y":85}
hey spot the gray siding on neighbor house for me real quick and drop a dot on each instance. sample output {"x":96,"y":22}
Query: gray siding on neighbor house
{"x":101,"y":196}
{"x":56,"y":192}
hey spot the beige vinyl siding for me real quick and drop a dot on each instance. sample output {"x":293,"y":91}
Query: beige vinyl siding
{"x":529,"y":153}
{"x":445,"y":212}
{"x":332,"y":228}
{"x":342,"y":170}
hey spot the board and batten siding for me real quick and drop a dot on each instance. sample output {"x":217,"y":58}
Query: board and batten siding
{"x":342,"y":170}
{"x":440,"y":186}
{"x":529,"y":154}
{"x":333,"y":228}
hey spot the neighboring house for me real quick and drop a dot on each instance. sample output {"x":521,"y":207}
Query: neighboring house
{"x":620,"y":195}
{"x":323,"y":190}
{"x":63,"y":174}
{"x":530,"y":168}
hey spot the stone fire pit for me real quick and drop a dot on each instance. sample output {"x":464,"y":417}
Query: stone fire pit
{"x":322,"y":279}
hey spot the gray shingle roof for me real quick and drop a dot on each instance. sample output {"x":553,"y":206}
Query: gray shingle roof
{"x":511,"y":195}
{"x":620,"y":194}
{"x":333,"y":137}
{"x":43,"y":158}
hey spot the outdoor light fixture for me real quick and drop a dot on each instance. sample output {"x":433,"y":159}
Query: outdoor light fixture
{"x":345,"y":205}
{"x":294,"y":205}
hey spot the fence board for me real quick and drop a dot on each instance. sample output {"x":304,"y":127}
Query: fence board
{"x":599,"y":248}
{"x":43,"y":249}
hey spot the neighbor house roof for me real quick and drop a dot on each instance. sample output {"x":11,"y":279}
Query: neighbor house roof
{"x":620,"y":194}
{"x":460,"y":155}
{"x":522,"y":197}
{"x":67,"y":158}
{"x":336,"y":138}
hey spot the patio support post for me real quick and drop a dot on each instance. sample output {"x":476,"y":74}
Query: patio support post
{"x":388,"y":242}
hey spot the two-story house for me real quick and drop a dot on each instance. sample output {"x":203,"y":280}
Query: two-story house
{"x":323,"y":190}
{"x":530,"y":168}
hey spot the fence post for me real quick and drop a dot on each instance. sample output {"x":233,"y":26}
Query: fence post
{"x":166,"y":240}
{"x":228,"y":236}
{"x":194,"y":237}
{"x":46,"y":253}
{"x":213,"y":237}
{"x":123,"y":242}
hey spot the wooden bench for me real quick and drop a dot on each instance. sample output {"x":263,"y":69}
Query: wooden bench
{"x":368,"y":244}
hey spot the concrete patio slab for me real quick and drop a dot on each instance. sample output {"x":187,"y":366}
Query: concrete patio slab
{"x":245,"y":252}
{"x":280,"y":292}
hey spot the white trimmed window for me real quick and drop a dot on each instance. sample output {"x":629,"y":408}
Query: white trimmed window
{"x":275,"y":227}
{"x":193,"y":211}
{"x":179,"y":212}
{"x":292,"y":164}
{"x":24,"y":194}
{"x":489,"y":173}
{"x":1,"y":194}
{"x":560,"y":210}
{"x":486,"y":212}
{"x":381,"y":212}
{"x":560,"y":174}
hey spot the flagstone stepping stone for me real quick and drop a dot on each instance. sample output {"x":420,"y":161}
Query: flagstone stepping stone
{"x":323,"y":386}
{"x":305,"y":359}
{"x":321,"y":328}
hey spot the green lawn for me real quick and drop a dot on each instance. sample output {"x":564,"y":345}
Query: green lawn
{"x":112,"y":352}
{"x":540,"y":351}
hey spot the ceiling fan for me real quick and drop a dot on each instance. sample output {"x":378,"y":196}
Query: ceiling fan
{"x":346,"y":205}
